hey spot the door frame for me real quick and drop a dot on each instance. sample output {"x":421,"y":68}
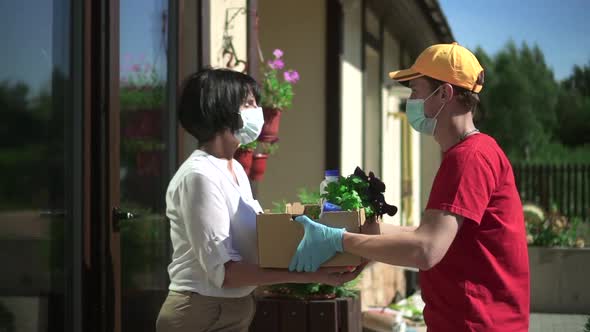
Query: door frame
{"x":104,"y":248}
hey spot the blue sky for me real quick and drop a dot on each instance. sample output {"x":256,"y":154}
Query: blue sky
{"x":30,"y":31}
{"x":561,"y":29}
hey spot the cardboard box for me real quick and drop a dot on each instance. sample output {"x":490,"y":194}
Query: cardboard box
{"x":279,"y":235}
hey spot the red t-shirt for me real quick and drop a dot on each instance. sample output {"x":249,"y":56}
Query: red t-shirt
{"x":482,"y":283}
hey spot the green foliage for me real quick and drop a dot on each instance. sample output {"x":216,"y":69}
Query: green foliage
{"x":350,"y":194}
{"x":531,"y":115}
{"x":249,"y":146}
{"x":134,"y":98}
{"x":277,"y":91}
{"x":518,"y":99}
{"x":587,"y":326}
{"x":142,"y":88}
{"x":141,"y":244}
{"x":279,"y":207}
{"x":315,"y":290}
{"x":276,"y":94}
{"x":573,"y":109}
{"x":551,"y":230}
{"x":308,"y":197}
{"x":269,"y":148}
{"x":410,"y":311}
{"x":32,"y":134}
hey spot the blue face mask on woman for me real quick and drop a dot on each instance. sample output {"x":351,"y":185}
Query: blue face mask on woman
{"x":417,"y":118}
{"x":253,"y":119}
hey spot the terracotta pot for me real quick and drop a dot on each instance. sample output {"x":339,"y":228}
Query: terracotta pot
{"x":270,"y":130}
{"x":142,"y":124}
{"x":258,"y":167}
{"x":244,"y":157}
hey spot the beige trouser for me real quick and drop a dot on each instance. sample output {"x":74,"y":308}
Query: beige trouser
{"x":192,"y":312}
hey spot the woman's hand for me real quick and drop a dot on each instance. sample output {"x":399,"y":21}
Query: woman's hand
{"x":333,"y":276}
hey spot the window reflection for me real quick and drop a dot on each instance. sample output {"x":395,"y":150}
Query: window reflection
{"x":143,"y":170}
{"x":34,"y":83}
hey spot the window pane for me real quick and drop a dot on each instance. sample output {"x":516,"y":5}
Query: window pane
{"x":35,"y":103}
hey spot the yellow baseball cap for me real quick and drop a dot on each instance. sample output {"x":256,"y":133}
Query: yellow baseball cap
{"x":451,"y":63}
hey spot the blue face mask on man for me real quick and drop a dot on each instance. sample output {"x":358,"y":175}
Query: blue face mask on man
{"x":417,"y":118}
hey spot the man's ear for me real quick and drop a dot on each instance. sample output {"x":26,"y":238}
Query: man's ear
{"x":447,"y":92}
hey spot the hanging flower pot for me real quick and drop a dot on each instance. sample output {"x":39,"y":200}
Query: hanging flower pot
{"x":272,"y":120}
{"x":244,"y":157}
{"x":258,"y":167}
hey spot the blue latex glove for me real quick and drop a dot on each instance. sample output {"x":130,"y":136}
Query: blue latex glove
{"x":319,"y":244}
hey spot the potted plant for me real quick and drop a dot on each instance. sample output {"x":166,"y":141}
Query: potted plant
{"x":276,"y":94}
{"x":259,"y":160}
{"x":244,"y":155}
{"x":558,"y":260}
{"x":142,"y":100}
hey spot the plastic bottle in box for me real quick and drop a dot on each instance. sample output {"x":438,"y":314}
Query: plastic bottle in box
{"x":331,"y":175}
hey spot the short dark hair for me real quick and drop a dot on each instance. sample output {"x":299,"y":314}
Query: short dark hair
{"x":468,"y":98}
{"x":210,"y":101}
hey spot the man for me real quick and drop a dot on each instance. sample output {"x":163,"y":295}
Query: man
{"x":471,"y":243}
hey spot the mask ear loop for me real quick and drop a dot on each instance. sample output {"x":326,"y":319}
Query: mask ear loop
{"x":443,"y":105}
{"x":240,"y":120}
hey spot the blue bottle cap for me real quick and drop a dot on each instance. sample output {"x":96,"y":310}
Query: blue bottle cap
{"x":329,"y":207}
{"x":332,"y":172}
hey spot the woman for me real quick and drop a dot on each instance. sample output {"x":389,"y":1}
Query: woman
{"x":213,"y":215}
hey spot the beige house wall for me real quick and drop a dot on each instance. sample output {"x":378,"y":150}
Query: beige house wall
{"x":299,"y":29}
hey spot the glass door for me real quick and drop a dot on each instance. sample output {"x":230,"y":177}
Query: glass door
{"x":40,"y":160}
{"x":147,"y":157}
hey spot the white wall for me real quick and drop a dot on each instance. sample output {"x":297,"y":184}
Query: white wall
{"x":416,"y":178}
{"x":299,"y":29}
{"x":351,"y":148}
{"x":391,"y":146}
{"x":372,"y":113}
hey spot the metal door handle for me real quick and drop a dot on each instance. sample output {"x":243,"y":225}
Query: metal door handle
{"x":52,"y":213}
{"x":119,"y":215}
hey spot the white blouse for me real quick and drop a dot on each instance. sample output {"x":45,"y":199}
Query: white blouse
{"x":212,"y":221}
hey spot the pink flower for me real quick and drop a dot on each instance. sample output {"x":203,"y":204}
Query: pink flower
{"x":276,"y":64}
{"x":277,"y":53}
{"x":291,"y":76}
{"x":136,"y":68}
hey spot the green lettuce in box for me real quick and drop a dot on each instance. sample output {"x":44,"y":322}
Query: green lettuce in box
{"x":359,"y":191}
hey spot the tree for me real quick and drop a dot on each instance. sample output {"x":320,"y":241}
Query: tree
{"x":573,"y":108}
{"x":519,"y":100}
